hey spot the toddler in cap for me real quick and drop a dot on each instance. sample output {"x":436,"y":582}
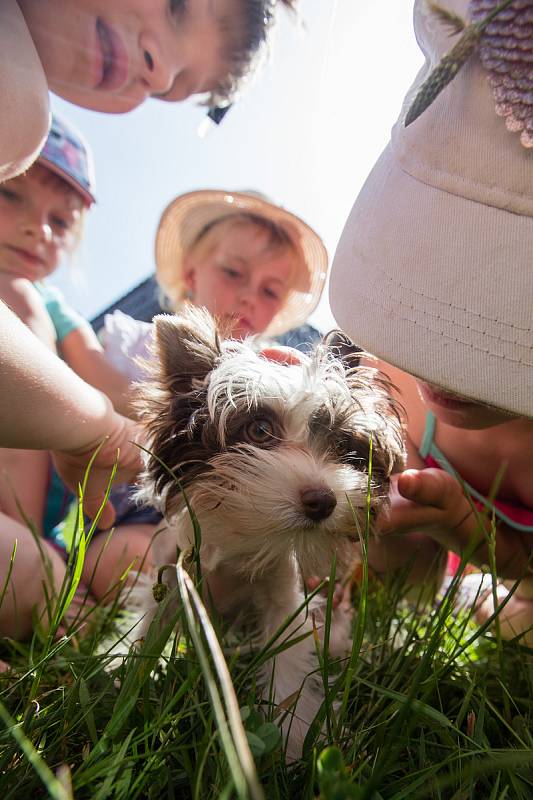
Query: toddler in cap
{"x":41,"y":217}
{"x":432,"y":275}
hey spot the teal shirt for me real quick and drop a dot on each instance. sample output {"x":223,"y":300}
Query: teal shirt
{"x":64,"y":318}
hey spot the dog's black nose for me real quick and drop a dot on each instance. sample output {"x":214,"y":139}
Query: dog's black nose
{"x":318,"y":503}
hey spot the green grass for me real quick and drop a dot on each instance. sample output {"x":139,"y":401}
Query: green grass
{"x":426,"y":705}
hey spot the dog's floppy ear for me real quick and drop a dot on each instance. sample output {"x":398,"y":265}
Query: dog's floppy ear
{"x":187,"y":346}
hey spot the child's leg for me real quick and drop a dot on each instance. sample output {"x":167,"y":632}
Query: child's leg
{"x":24,"y":476}
{"x":108,"y":558}
{"x":29,"y":577}
{"x":517,"y":615}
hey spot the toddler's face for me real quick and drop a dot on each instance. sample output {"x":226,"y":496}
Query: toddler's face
{"x":110,"y":55}
{"x":459,"y":411}
{"x":39,"y":214}
{"x":241,"y":278}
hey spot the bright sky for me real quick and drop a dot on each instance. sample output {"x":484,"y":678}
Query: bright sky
{"x":306,"y":133}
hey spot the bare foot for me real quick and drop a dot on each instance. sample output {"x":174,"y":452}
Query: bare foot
{"x":341,"y":593}
{"x":516,"y":618}
{"x":342,"y":608}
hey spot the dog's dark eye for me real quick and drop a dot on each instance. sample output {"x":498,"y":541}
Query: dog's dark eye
{"x":259,"y":431}
{"x":351,"y":451}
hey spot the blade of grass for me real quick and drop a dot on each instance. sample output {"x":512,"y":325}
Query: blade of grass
{"x":231,"y":729}
{"x":360,"y":625}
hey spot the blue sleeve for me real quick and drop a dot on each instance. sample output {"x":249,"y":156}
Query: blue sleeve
{"x":64,"y":318}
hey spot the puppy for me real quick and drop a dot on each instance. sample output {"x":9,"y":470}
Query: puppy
{"x":274,"y":460}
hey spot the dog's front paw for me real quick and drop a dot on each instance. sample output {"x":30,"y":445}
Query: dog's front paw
{"x":341,"y":617}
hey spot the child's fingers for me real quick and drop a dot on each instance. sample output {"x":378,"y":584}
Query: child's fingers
{"x":423,"y":500}
{"x":91,"y":506}
{"x":428,"y":487}
{"x":282,"y":354}
{"x":403,"y":516}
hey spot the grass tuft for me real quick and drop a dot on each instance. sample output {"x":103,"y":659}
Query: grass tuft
{"x":426,"y":704}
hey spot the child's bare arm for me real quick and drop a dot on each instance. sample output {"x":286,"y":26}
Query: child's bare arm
{"x":84,"y":354}
{"x":24,"y":120}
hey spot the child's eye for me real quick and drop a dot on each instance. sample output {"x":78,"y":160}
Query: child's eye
{"x":9,"y":194}
{"x":232,"y":273}
{"x":271,"y":293}
{"x":60,"y":223}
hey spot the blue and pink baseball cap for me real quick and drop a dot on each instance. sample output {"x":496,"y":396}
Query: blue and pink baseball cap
{"x":68,"y":155}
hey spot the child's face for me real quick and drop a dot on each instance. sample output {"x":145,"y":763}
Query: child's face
{"x":39,"y":214}
{"x":460,"y":412}
{"x":110,"y":55}
{"x":240,"y":278}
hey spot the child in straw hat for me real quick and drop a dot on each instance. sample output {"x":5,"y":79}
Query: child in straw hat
{"x":256,"y":266}
{"x":251,"y":263}
{"x":433,"y":276}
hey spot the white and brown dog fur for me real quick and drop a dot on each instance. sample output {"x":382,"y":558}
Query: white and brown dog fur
{"x":274,"y":459}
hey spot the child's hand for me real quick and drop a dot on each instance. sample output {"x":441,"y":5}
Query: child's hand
{"x":71,"y":466}
{"x":283,"y":355}
{"x":429,"y":501}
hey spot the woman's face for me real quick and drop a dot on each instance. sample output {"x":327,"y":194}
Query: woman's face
{"x":39,"y":216}
{"x":240,"y":277}
{"x":110,"y":55}
{"x":460,"y":412}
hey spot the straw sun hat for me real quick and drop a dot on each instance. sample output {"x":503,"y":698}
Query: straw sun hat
{"x":434,"y":269}
{"x":189,"y":214}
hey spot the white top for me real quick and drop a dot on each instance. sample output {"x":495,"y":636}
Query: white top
{"x":125,"y":340}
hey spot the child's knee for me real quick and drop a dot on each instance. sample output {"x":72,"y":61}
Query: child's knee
{"x":111,"y":558}
{"x":32,"y":581}
{"x":524,"y":590}
{"x":515,"y":618}
{"x":23,"y":484}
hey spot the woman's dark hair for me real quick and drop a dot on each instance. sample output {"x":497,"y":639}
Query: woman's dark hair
{"x":244,"y":42}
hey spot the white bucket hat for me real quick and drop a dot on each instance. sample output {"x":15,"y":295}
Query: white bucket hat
{"x":188,"y":215}
{"x":434,"y":269}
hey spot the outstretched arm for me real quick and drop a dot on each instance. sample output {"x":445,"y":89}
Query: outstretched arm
{"x":44,"y":405}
